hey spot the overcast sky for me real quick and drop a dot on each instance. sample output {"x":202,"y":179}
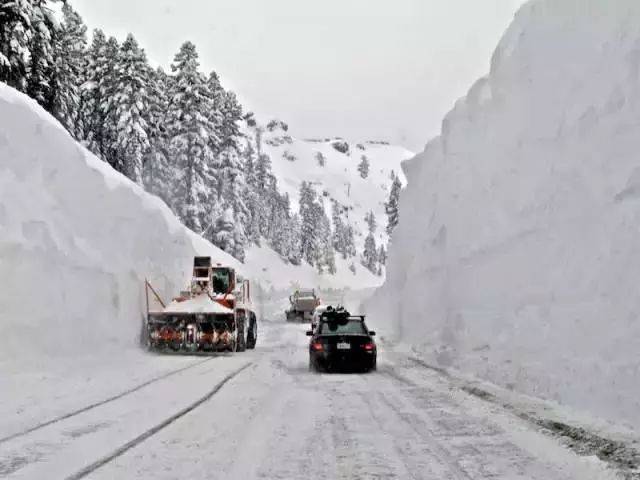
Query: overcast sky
{"x":361,"y":69}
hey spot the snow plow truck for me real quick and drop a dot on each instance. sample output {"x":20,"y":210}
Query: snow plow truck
{"x":303,"y":303}
{"x":214,"y":314}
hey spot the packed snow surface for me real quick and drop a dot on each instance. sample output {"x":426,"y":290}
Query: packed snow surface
{"x":517,"y":257}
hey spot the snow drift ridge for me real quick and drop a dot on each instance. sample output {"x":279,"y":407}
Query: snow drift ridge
{"x":520,"y":262}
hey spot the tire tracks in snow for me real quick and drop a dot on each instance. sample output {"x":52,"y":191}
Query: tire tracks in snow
{"x":100,"y":403}
{"x":157,"y":428}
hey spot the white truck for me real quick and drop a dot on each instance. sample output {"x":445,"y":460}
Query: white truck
{"x":303,"y":303}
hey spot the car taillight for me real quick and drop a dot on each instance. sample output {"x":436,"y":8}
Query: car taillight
{"x":369,"y":347}
{"x":317,"y":346}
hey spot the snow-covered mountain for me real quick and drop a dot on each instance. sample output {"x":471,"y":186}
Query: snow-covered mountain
{"x":520,"y":262}
{"x":331,"y":165}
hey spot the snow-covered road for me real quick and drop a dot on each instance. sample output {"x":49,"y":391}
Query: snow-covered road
{"x":262,"y":414}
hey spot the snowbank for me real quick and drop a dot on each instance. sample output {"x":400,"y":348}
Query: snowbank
{"x":517,"y":257}
{"x":77,"y":241}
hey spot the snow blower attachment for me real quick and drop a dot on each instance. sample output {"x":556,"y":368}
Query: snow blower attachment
{"x":213,"y":314}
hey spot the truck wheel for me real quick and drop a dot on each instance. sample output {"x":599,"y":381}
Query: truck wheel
{"x":241,"y":344}
{"x":252,"y":335}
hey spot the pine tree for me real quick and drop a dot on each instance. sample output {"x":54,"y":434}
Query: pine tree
{"x":294,"y":247}
{"x":370,"y":220}
{"x":92,"y":115}
{"x":382,"y":255}
{"x":349,"y":242}
{"x":327,"y":250}
{"x":280,"y":223}
{"x":363,"y":167}
{"x":253,"y":201}
{"x":309,"y":217}
{"x":338,"y":239}
{"x":189,"y":128}
{"x":68,"y":71}
{"x":225,"y":229}
{"x":240,"y":243}
{"x":232,"y":193}
{"x":370,"y":254}
{"x":15,"y":40}
{"x":215,"y":112}
{"x":108,"y":86}
{"x":263,"y":172}
{"x":391,"y":207}
{"x":41,"y":65}
{"x":231,"y":118}
{"x":130,"y":108}
{"x":157,"y":171}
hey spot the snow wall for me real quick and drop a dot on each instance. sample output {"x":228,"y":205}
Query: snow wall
{"x":77,"y":240}
{"x":517,"y":257}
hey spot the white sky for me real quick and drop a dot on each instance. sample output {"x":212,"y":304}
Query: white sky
{"x":361,"y":69}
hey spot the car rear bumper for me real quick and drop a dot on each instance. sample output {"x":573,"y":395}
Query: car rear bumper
{"x":344,"y":361}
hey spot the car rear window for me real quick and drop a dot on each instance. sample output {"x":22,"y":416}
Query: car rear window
{"x":351,"y":327}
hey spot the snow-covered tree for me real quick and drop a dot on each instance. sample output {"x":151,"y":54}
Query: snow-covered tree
{"x":68,"y":71}
{"x":363,"y":167}
{"x":224,"y":237}
{"x":15,"y":40}
{"x":231,"y":118}
{"x":232,"y":187}
{"x":309,"y":218}
{"x":327,"y":252}
{"x":41,"y":47}
{"x":370,"y":220}
{"x":92,"y":94}
{"x":130,"y":108}
{"x":370,"y":253}
{"x":280,"y":220}
{"x":382,"y":255}
{"x":391,"y":207}
{"x":189,"y":127}
{"x":263,"y":171}
{"x":253,"y":200}
{"x":97,"y":92}
{"x":157,"y":171}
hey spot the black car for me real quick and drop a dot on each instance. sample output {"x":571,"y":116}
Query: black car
{"x":342,"y":342}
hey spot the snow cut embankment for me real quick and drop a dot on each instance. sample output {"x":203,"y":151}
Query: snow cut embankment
{"x":77,"y":241}
{"x":517,"y":257}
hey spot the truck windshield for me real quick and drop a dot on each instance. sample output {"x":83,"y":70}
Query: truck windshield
{"x":353,"y":327}
{"x":220,"y":280}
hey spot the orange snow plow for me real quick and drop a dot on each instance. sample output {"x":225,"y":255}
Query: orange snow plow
{"x":214,"y":314}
